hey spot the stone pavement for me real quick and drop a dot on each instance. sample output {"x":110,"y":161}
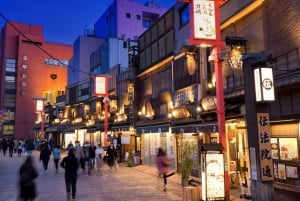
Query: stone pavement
{"x":139,"y":183}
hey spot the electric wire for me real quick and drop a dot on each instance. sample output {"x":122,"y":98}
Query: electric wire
{"x":39,"y":47}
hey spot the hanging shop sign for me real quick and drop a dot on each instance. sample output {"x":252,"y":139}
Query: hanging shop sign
{"x":101,"y":85}
{"x":205,"y":23}
{"x":264,"y":85}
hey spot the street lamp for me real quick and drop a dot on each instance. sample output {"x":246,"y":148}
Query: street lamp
{"x":40,"y":109}
{"x":101,"y":89}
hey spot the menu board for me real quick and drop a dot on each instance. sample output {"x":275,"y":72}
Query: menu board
{"x":215,"y":186}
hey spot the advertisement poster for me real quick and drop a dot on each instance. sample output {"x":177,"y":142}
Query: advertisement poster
{"x":281,"y":171}
{"x":215,"y":186}
{"x":288,"y":149}
{"x":292,"y":172}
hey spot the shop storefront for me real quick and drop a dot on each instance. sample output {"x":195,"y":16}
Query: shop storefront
{"x":153,"y":137}
{"x":238,"y":153}
{"x":285,"y":152}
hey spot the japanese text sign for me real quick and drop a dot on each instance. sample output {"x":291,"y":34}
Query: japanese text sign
{"x":264,"y":139}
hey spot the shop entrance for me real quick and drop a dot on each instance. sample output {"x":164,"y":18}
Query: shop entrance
{"x":238,"y":156}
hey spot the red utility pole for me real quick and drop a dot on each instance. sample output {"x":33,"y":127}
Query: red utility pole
{"x":208,"y":33}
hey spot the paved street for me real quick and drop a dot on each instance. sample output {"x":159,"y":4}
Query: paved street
{"x":138,"y":183}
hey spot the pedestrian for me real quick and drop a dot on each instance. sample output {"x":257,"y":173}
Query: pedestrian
{"x":163,"y":163}
{"x":70,"y":164}
{"x":20,"y":148}
{"x":70,"y":146}
{"x":79,"y":155}
{"x":4,"y":146}
{"x":92,"y":155}
{"x":45,"y":156}
{"x":111,"y":155}
{"x":98,"y":153}
{"x":29,"y":147}
{"x":56,"y":156}
{"x":86,"y":152}
{"x":27,"y":174}
{"x":11,"y":146}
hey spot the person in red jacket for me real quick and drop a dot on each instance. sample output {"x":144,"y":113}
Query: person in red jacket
{"x":163,"y":163}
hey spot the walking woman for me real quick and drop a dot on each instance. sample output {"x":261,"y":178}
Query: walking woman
{"x":163,"y":163}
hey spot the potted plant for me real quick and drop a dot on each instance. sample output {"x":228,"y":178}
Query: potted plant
{"x":186,"y":161}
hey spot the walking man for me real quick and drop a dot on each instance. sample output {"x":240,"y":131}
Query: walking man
{"x":70,"y":164}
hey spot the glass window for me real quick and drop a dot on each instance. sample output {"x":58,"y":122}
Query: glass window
{"x":10,"y":82}
{"x":138,"y":17}
{"x":8,"y":129}
{"x":184,"y":15}
{"x":146,"y":23}
{"x":11,"y":65}
{"x":9,"y":100}
{"x":128,"y":15}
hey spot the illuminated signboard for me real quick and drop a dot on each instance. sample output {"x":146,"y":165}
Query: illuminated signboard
{"x":264,"y":85}
{"x":101,"y":85}
{"x":204,"y":19}
{"x":39,"y":105}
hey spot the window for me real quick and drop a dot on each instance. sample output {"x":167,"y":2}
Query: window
{"x":8,"y":129}
{"x":128,"y":15}
{"x":138,"y":17}
{"x":184,"y":15}
{"x":9,"y":100}
{"x":149,"y":19}
{"x":146,"y":23}
{"x":11,"y":65}
{"x":10,"y":82}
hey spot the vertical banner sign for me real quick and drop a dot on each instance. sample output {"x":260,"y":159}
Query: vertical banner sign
{"x":100,"y":86}
{"x":204,"y":19}
{"x":264,"y":138}
{"x":264,"y":87}
{"x":39,"y":106}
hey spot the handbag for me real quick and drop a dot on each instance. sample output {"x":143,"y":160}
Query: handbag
{"x":166,"y":161}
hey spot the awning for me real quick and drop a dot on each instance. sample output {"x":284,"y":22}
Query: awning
{"x":121,"y":128}
{"x":153,"y":129}
{"x":53,"y":128}
{"x":91,"y":129}
{"x":72,"y":128}
{"x":194,"y":128}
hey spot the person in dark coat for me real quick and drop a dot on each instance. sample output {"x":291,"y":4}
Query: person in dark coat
{"x":4,"y":146}
{"x":27,"y":175}
{"x":45,"y":156}
{"x":70,"y":164}
{"x":11,"y":146}
{"x":111,"y":153}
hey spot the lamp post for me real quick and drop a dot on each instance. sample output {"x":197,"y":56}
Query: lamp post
{"x":259,"y":92}
{"x":40,"y":109}
{"x":101,"y":89}
{"x":205,"y":31}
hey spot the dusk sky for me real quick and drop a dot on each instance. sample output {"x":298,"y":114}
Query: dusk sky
{"x":63,"y":20}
